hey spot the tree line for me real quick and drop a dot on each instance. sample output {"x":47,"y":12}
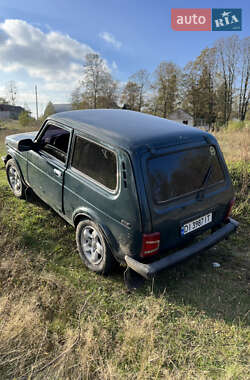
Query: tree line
{"x":213,"y":88}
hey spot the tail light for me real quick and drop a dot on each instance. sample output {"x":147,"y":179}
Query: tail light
{"x":229,"y":210}
{"x":150,"y":244}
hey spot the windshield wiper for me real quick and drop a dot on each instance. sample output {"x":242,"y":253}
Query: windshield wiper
{"x":200,"y":194}
{"x":207,"y":176}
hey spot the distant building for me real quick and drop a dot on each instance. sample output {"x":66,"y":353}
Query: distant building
{"x":62,"y":107}
{"x":181,"y":117}
{"x":7,"y":111}
{"x":202,"y":124}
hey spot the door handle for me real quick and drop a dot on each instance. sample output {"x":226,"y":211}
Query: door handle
{"x":57,"y":172}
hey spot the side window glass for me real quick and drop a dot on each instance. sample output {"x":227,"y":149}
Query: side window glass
{"x":96,"y":162}
{"x":55,"y":141}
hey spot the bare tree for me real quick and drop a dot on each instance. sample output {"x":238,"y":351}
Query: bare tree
{"x":93,"y":70}
{"x":208,"y":84}
{"x":109,"y":92}
{"x":130,"y":95}
{"x":166,"y":84}
{"x":200,"y":81}
{"x":141,"y":78}
{"x":98,"y":84}
{"x":152,"y":103}
{"x":244,"y":93}
{"x":228,"y":55}
{"x":190,"y":90}
{"x":76,"y":98}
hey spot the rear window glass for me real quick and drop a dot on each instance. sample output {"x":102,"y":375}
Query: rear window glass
{"x":96,"y":162}
{"x":183,"y":172}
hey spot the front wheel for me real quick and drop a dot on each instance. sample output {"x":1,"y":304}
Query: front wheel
{"x":14,"y":179}
{"x":93,"y":248}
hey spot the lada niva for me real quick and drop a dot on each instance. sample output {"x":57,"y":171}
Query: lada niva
{"x":135,"y":186}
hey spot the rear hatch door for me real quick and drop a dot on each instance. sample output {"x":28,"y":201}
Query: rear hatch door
{"x":188,"y":190}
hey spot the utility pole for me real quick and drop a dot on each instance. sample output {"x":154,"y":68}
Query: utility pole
{"x":36,"y":103}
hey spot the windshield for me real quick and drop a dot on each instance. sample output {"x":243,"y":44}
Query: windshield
{"x":183,"y":172}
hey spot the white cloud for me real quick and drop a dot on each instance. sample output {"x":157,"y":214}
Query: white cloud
{"x":109,"y":38}
{"x":52,"y":60}
{"x":114,"y":65}
{"x":50,"y":56}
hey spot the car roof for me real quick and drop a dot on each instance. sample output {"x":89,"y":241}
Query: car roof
{"x":128,"y":129}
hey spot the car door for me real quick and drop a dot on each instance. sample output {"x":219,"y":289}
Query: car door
{"x":47,"y":163}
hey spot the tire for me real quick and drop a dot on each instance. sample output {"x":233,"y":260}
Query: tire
{"x":93,"y":248}
{"x":15,"y":179}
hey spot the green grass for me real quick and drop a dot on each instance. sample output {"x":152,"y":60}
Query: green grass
{"x":60,"y":321}
{"x":237,"y":125}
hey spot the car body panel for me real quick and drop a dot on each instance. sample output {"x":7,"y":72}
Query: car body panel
{"x":45,"y":174}
{"x":12,"y":144}
{"x":43,"y":180}
{"x":118,"y":210}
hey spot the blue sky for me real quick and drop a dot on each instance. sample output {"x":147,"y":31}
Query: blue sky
{"x":48,"y":40}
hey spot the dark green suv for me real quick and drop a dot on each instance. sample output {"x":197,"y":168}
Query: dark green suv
{"x":133,"y":185}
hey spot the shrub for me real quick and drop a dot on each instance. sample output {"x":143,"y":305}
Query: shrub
{"x":236,"y":125}
{"x":24,"y":118}
{"x":240,"y":174}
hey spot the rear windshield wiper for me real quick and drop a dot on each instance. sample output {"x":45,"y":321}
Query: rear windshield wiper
{"x":200,"y":194}
{"x":207,"y":176}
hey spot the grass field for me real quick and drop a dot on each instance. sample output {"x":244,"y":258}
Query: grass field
{"x":60,"y":321}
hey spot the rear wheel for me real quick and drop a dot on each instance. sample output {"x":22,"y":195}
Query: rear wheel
{"x":14,"y":179}
{"x":93,"y":248}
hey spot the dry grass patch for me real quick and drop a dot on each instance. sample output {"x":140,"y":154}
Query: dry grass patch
{"x":235,"y":144}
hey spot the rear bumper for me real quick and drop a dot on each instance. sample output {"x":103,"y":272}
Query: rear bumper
{"x":149,"y":270}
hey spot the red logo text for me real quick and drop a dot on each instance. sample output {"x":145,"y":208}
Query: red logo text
{"x":191,"y":19}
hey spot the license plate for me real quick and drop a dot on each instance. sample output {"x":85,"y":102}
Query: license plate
{"x":195,"y":224}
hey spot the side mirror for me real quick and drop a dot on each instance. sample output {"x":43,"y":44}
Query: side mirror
{"x":25,"y":145}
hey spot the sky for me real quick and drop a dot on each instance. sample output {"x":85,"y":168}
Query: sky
{"x":44,"y":43}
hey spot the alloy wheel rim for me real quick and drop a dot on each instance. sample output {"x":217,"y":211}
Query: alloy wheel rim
{"x":15,"y":180}
{"x":92,"y":245}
